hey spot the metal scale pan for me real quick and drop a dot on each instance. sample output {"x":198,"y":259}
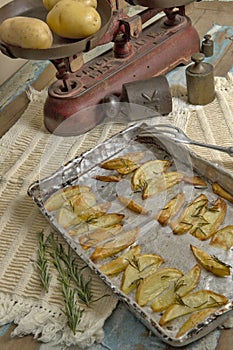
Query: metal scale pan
{"x":61,"y":47}
{"x":161,"y":3}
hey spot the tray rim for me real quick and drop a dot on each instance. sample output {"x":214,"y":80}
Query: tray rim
{"x":200,"y":330}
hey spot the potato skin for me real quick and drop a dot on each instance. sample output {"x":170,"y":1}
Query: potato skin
{"x":26,"y":32}
{"x":71,"y":19}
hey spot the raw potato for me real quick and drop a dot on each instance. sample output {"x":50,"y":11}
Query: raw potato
{"x":71,"y":19}
{"x":26,"y":32}
{"x":49,"y":4}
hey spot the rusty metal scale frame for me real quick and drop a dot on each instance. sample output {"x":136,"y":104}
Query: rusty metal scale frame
{"x":136,"y":54}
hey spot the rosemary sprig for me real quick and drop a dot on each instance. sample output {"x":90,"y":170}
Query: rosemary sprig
{"x":42,"y":263}
{"x":178,"y":284}
{"x":72,"y":312}
{"x":71,"y":271}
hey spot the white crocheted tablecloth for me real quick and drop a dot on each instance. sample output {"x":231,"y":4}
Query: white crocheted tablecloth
{"x":24,"y":158}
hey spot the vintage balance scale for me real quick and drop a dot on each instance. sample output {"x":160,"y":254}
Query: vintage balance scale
{"x":135,"y":54}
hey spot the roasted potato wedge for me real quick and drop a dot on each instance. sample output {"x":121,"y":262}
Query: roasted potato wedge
{"x":124,"y":164}
{"x":170,"y":209}
{"x":211,"y":263}
{"x":116,"y":163}
{"x":108,"y":178}
{"x":179,"y":288}
{"x":155,"y":284}
{"x":195,"y":181}
{"x":190,"y":216}
{"x":223,"y":238}
{"x":139,"y":268}
{"x":128,"y":167}
{"x":82,"y":202}
{"x":66,"y":216}
{"x":79,"y":229}
{"x":58,"y":199}
{"x":106,"y":220}
{"x":221,"y":192}
{"x":132,"y":205}
{"x":118,"y":243}
{"x":192,"y":302}
{"x":99,"y":235}
{"x":194,"y":320}
{"x":210,"y":220}
{"x":147,"y":171}
{"x":116,"y":266}
{"x":94,"y":212}
{"x":162,"y":182}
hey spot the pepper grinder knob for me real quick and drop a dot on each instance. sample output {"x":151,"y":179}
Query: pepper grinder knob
{"x":207,"y":47}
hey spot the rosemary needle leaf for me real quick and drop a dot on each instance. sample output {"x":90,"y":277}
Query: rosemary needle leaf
{"x":42,"y":262}
{"x":68,"y":270}
{"x":72,"y":312}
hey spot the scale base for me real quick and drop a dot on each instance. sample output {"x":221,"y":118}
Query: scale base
{"x":159,"y":49}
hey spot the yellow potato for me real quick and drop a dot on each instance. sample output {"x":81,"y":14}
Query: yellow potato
{"x":49,"y":4}
{"x":71,"y":19}
{"x":26,"y":32}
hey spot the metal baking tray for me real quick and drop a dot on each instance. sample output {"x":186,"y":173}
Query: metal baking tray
{"x":153,"y":237}
{"x":61,"y":47}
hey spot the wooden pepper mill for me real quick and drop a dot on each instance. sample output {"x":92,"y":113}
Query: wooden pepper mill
{"x":200,"y":81}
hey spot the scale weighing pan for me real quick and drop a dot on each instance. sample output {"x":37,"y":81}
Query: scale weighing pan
{"x":61,"y":47}
{"x":161,"y":3}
